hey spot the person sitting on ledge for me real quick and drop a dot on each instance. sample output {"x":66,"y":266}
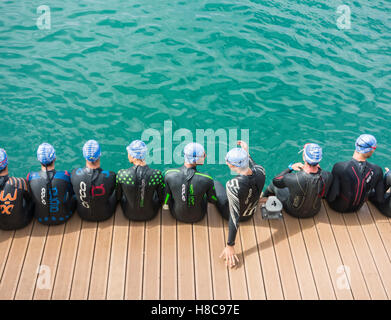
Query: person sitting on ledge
{"x":94,"y":188}
{"x":354,"y":179}
{"x":384,"y":206}
{"x":243,"y":193}
{"x":301,"y":187}
{"x":140,"y":188}
{"x":51,"y":190}
{"x":188,"y":191}
{"x":16,"y":206}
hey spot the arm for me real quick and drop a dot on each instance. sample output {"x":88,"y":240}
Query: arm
{"x":278,"y":181}
{"x":335,"y":186}
{"x":379,"y":188}
{"x":118,"y":189}
{"x":167,"y":192}
{"x":161,"y":187}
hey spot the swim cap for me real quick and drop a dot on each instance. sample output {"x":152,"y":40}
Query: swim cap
{"x":365,"y":143}
{"x":3,"y":159}
{"x":193,"y":152}
{"x":46,"y":153}
{"x":137,"y":149}
{"x":238,"y":157}
{"x":91,"y":150}
{"x":312,"y":153}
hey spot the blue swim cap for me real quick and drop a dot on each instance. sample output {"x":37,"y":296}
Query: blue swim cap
{"x":365,"y":143}
{"x":91,"y":150}
{"x":312,"y":153}
{"x":238,"y":157}
{"x":46,"y":153}
{"x":137,"y":149}
{"x":3,"y":159}
{"x":193,"y":152}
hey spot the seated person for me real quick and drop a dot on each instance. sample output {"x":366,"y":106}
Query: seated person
{"x":94,"y":188}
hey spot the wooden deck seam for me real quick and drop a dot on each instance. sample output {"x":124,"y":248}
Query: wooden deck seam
{"x":276,"y":259}
{"x":355,"y":254}
{"x":293,"y":260}
{"x":259,"y":257}
{"x":24,"y":259}
{"x":58,"y":262}
{"x":309,"y":257}
{"x":75,"y":261}
{"x":194,"y":269}
{"x":210,"y":257}
{"x":372,"y":253}
{"x":92,"y":260}
{"x":244,"y":265}
{"x":8,"y":253}
{"x":143,"y":268}
{"x":109,"y":263}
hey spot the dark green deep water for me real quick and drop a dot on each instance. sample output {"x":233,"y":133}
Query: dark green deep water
{"x":109,"y":70}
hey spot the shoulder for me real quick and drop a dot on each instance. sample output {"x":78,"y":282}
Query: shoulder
{"x":18,"y":183}
{"x":170,"y":172}
{"x":204,"y":176}
{"x":377,"y":169}
{"x":32,"y":176}
{"x":259,"y":169}
{"x":63,"y":175}
{"x":77,"y":172}
{"x":233,"y":184}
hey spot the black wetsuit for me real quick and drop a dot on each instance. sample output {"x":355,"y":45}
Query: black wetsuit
{"x":384,"y":206}
{"x":16,"y":206}
{"x":352,"y":182}
{"x":141,"y":191}
{"x":95,"y":193}
{"x":243,"y":195}
{"x":300,"y":192}
{"x":188,"y":192}
{"x":57,"y":205}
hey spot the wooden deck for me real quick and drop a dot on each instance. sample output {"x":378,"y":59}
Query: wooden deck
{"x":332,"y":256}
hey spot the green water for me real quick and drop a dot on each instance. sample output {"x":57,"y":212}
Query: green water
{"x":110,"y":69}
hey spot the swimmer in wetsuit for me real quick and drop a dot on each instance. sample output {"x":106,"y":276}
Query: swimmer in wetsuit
{"x":16,"y":206}
{"x":140,"y":188}
{"x":94,"y":188}
{"x":243,"y":193}
{"x":354,"y":179}
{"x":300,"y":188}
{"x":188,"y":191}
{"x":51,"y":190}
{"x":384,"y":206}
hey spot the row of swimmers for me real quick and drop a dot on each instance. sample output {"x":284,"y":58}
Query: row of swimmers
{"x":53,"y":196}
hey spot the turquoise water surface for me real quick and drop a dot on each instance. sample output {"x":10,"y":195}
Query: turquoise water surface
{"x":109,"y":70}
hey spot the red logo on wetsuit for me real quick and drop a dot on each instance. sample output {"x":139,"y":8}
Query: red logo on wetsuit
{"x":98,"y":191}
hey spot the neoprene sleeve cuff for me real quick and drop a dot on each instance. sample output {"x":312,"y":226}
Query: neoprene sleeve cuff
{"x":231,"y":244}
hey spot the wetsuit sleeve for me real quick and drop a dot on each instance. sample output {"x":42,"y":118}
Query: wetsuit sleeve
{"x":379,"y":188}
{"x":161,"y":187}
{"x":211,"y":193}
{"x":335,"y":186}
{"x":118,"y":189}
{"x":278,"y":181}
{"x":232,"y":188}
{"x":167,"y":191}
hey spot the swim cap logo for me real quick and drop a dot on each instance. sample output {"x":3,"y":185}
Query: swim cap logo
{"x":7,"y":206}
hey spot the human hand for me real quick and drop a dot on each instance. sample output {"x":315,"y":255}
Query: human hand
{"x":297,"y":166}
{"x":262,"y":200}
{"x":229,"y":256}
{"x":243,"y":144}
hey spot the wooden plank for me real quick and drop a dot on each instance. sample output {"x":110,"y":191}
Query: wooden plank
{"x":237,"y":275}
{"x":332,"y":256}
{"x":32,"y":263}
{"x":119,"y":251}
{"x":6,"y":238}
{"x":151,"y":282}
{"x":355,"y":279}
{"x":318,"y":263}
{"x":376,"y":247}
{"x":285,"y":262}
{"x":186,"y":287}
{"x":383,"y":225}
{"x":15,"y":261}
{"x":252,"y":264}
{"x":203,"y":271}
{"x":135,"y":263}
{"x":221,"y":288}
{"x":169,"y":263}
{"x":101,"y":261}
{"x":300,"y":259}
{"x":66,"y":264}
{"x":271,"y":276}
{"x":51,"y":254}
{"x":83,"y":266}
